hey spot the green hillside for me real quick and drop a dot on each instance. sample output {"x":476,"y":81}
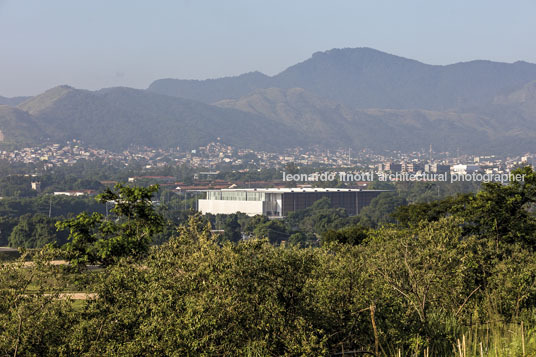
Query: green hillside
{"x":18,"y":127}
{"x":117,"y":118}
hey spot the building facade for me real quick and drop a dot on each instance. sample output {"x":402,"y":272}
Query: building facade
{"x":279,"y":202}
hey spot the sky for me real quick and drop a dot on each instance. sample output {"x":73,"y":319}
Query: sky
{"x":94,"y":44}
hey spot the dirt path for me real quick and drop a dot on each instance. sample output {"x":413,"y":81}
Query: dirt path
{"x":78,"y":296}
{"x":7,"y":249}
{"x":72,"y":296}
{"x":63,"y":262}
{"x":52,"y":262}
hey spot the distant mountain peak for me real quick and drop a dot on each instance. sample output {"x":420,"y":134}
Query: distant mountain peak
{"x":47,"y":98}
{"x":59,"y":90}
{"x":349,"y":51}
{"x":253,"y":74}
{"x":355,"y":57}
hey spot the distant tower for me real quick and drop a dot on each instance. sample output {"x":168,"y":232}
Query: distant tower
{"x":430,"y":153}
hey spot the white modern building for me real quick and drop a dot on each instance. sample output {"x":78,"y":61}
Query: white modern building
{"x":278,"y":202}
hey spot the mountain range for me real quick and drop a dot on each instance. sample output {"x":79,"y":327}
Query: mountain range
{"x":117,"y":118}
{"x":359,"y":98}
{"x":367,"y":78}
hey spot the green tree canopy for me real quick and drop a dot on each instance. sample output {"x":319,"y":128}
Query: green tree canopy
{"x":35,"y":231}
{"x":127,"y":232}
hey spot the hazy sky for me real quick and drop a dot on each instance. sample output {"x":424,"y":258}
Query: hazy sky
{"x":96,"y":43}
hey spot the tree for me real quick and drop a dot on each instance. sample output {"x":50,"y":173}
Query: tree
{"x":353,"y":235}
{"x":35,"y":231}
{"x":232,"y":229}
{"x":499,"y":212}
{"x":380,"y":209}
{"x":253,"y":222}
{"x":430,"y":211}
{"x":274,"y":230}
{"x":34,"y":320}
{"x":301,"y":239}
{"x":6,"y":226}
{"x":128,"y":232}
{"x":502,"y":212}
{"x":318,"y":218}
{"x":426,"y":270}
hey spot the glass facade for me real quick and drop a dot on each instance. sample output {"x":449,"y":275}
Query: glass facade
{"x":236,"y":195}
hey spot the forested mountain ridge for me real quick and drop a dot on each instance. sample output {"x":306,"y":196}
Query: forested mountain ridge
{"x":400,"y":129}
{"x":117,"y":118}
{"x":18,"y":127}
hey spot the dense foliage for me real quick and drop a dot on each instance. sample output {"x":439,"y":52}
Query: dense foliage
{"x":128,"y":232}
{"x":463,"y":268}
{"x":406,"y":289}
{"x":36,"y":231}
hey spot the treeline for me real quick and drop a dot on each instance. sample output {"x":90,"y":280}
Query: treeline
{"x":30,"y":222}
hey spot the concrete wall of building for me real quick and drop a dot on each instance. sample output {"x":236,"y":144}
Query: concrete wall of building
{"x":250,"y":208}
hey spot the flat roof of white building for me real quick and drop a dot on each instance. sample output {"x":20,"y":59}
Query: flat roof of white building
{"x":285,"y":190}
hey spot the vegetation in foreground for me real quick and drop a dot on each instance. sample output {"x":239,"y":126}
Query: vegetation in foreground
{"x":452,"y":278}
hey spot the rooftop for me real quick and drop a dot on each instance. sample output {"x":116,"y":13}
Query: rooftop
{"x":285,"y":190}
